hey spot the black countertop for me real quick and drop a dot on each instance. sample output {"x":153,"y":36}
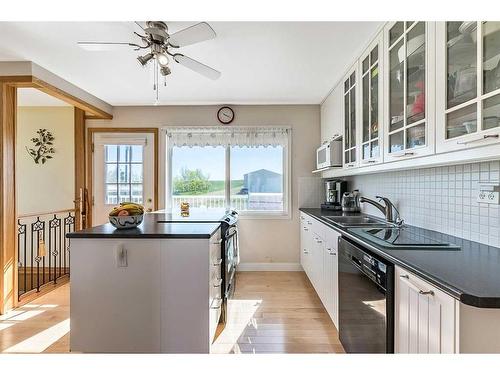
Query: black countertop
{"x":470,"y":274}
{"x":152,"y":228}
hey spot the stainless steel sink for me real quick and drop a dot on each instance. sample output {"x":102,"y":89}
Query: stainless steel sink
{"x":358,"y":221}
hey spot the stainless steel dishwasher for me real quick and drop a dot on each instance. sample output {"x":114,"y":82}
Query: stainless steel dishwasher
{"x":366,"y":306}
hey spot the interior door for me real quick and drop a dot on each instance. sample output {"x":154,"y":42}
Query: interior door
{"x":123,"y":171}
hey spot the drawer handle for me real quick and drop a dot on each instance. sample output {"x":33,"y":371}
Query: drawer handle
{"x":306,"y":252}
{"x":319,"y":241}
{"x":218,"y":283}
{"x":486,"y":136}
{"x":309,"y":223}
{"x":305,"y":229}
{"x":331,"y":252}
{"x":408,"y":153}
{"x":216,"y":303}
{"x":414,"y":287}
{"x":217,"y":242}
{"x":218,"y":262}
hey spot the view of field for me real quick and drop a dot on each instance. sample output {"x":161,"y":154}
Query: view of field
{"x":216,"y":187}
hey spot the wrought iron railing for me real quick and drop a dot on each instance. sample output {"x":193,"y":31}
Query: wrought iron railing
{"x":243,"y":202}
{"x":43,"y":249}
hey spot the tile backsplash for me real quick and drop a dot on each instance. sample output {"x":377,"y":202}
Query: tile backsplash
{"x":438,"y":198}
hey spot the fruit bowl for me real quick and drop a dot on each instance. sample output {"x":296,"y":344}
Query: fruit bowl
{"x":126,"y":216}
{"x":126,"y":222}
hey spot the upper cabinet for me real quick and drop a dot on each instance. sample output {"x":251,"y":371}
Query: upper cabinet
{"x":331,"y":114}
{"x":409,"y":89}
{"x":468,"y":91}
{"x":371,"y":91}
{"x":350,"y":118}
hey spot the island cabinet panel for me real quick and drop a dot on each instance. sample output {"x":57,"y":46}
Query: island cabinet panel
{"x":115,"y":309}
{"x":424,"y":316}
{"x":145,"y":295}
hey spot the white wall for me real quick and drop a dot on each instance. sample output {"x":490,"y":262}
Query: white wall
{"x":45,"y":187}
{"x":264,"y":240}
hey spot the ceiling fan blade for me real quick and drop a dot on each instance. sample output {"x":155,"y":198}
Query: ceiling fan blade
{"x":197,"y":66}
{"x":104,"y":46}
{"x":193,"y":34}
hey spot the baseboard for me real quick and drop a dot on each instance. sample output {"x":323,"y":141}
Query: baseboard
{"x":269,"y":267}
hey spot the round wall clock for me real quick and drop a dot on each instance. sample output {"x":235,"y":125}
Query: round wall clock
{"x":225,"y":115}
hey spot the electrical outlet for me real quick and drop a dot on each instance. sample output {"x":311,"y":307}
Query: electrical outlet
{"x":489,"y":192}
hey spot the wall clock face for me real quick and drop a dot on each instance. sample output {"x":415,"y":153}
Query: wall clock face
{"x":225,"y":115}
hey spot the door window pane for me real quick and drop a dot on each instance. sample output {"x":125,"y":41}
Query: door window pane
{"x":491,"y":112}
{"x":461,"y":38}
{"x":395,"y":32}
{"x":374,"y":102}
{"x":198,"y":177}
{"x":366,"y":64}
{"x":123,"y":166}
{"x":415,"y":136}
{"x":374,"y":55}
{"x":415,"y":73}
{"x":346,"y":121}
{"x":462,"y":121}
{"x":257,"y":178}
{"x":366,"y":151}
{"x":491,"y":56}
{"x":353,"y":117}
{"x":366,"y":108}
{"x":396,"y":85}
{"x":396,"y":142}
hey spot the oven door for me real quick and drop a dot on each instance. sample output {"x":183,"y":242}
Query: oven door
{"x":231,"y":253}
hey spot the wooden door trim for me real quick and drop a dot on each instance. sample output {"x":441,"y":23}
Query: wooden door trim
{"x":29,"y":81}
{"x":90,"y":161}
{"x":8,"y":210}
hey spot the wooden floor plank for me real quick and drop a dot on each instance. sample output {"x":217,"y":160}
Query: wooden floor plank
{"x":273,"y":312}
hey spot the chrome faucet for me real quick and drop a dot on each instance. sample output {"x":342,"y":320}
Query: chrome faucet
{"x":387,"y":210}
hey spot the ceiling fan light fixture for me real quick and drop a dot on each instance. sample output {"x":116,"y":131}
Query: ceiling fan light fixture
{"x":165,"y":71}
{"x":143,"y":60}
{"x":163,"y":59}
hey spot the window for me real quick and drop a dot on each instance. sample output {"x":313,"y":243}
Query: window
{"x":246,"y":171}
{"x":123,"y":173}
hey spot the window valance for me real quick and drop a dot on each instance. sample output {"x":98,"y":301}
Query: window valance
{"x":234,"y":136}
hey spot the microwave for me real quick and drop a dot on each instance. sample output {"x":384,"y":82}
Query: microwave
{"x":329,"y":154}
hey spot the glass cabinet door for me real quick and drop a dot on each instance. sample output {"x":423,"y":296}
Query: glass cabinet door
{"x":472,"y":62}
{"x":407,"y":86}
{"x":370,"y":82}
{"x":350,"y":120}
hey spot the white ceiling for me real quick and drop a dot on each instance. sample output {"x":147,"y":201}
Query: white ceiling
{"x":29,"y":97}
{"x":261,"y":62}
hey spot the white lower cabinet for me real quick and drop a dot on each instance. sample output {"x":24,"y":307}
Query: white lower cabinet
{"x":318,"y":258}
{"x":425,"y":317}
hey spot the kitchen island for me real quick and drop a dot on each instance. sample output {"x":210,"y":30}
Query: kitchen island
{"x":151,"y":289}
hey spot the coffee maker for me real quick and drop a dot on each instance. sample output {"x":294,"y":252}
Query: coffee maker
{"x":334,"y":190}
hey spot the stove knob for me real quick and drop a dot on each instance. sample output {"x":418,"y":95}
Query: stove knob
{"x":227,"y":219}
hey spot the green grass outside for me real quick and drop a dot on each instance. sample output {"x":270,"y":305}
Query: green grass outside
{"x":217,"y":188}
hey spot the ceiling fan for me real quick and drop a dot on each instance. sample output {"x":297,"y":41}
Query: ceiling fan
{"x":160,"y":48}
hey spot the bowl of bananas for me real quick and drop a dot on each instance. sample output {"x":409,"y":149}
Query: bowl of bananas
{"x":126,"y":216}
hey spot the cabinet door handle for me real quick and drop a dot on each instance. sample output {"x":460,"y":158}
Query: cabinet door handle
{"x":350,"y":165}
{"x":217,"y":242}
{"x":309,"y":223}
{"x":486,"y":136}
{"x":405,"y":154}
{"x":331,"y":252}
{"x":414,"y":287}
{"x":305,"y":229}
{"x":218,"y":262}
{"x":216,"y":303}
{"x":218,"y":283}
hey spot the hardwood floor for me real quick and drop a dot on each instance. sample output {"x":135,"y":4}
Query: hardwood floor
{"x":273,"y":312}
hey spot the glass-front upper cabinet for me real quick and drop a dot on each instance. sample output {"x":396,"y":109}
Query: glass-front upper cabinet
{"x":409,"y":50}
{"x":350,"y":118}
{"x":468,"y":76}
{"x":371,"y":103}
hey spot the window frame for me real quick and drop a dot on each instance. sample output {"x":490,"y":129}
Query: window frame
{"x":247,"y":214}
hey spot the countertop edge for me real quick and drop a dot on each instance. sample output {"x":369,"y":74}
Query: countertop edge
{"x":468,"y":299}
